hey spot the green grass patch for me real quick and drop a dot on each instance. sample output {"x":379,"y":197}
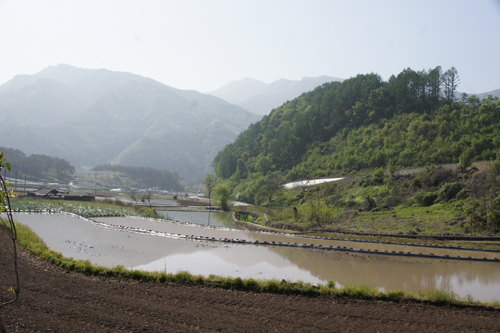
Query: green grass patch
{"x":361,"y":291}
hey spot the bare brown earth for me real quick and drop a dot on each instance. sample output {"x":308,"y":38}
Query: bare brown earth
{"x":53,"y":299}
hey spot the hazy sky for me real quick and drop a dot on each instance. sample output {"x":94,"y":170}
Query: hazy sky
{"x":205,"y":44}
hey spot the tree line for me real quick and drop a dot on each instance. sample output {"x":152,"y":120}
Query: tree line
{"x":38,"y":166}
{"x":146,"y":176}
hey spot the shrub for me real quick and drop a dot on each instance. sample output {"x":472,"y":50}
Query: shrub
{"x":463,"y":194}
{"x":433,"y":176}
{"x":495,"y":166}
{"x":148,"y":211}
{"x":449,"y":191}
{"x":392,"y":201}
{"x":378,"y":177}
{"x":426,"y":198}
{"x":416,"y":183}
{"x":465,"y":159}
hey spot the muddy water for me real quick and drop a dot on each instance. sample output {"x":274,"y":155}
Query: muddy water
{"x":253,"y":236}
{"x":201,"y":217}
{"x":83,"y":240}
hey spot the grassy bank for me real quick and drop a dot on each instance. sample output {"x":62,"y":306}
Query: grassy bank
{"x":436,"y":201}
{"x":412,"y":220}
{"x":32,"y":243}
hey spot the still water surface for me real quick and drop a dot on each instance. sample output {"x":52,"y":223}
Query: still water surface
{"x":219,"y":219}
{"x":81,"y":239}
{"x":284,"y":238}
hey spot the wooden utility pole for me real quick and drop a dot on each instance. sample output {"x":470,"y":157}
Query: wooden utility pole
{"x":25,"y":175}
{"x":209,"y":202}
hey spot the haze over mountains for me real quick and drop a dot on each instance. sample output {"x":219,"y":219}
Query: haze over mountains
{"x":260,"y":98}
{"x":92,"y":117}
{"x":495,"y":93}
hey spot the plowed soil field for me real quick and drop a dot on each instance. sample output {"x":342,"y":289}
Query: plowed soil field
{"x":55,"y":300}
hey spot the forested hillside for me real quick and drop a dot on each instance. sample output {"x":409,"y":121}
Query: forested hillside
{"x":363,"y":123}
{"x":143,"y":177}
{"x":37,"y":166}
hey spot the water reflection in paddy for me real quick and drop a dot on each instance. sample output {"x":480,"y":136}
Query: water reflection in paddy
{"x":253,"y":236}
{"x":201,"y":217}
{"x":83,"y":240}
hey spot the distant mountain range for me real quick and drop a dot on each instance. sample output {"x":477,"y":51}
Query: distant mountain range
{"x":260,"y":98}
{"x":96,"y":116}
{"x":495,"y":93}
{"x":91,"y":117}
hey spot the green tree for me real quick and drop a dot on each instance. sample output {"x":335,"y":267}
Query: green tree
{"x":225,"y":163}
{"x":450,"y":81}
{"x":221,"y":194}
{"x":378,"y":177}
{"x":391,"y":168}
{"x":465,"y":160}
{"x":144,"y":176}
{"x":495,"y":165}
{"x":271,"y":186}
{"x":263,"y":164}
{"x":241,"y":169}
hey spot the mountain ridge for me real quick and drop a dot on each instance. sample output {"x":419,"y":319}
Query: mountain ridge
{"x":100,"y":116}
{"x":260,"y":98}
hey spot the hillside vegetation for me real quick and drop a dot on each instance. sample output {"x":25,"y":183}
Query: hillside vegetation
{"x":360,"y":126}
{"x":37,"y":167}
{"x":139,"y":177}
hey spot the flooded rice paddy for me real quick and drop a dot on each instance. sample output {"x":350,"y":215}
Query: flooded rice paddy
{"x":163,"y":246}
{"x":200,"y":217}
